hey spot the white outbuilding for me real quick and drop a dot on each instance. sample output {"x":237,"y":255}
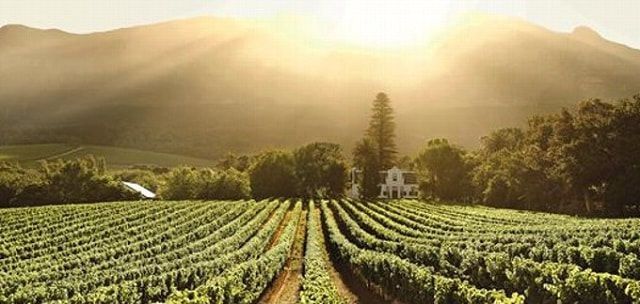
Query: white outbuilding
{"x":142,"y":191}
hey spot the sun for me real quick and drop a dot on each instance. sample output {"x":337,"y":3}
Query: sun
{"x":387,"y":24}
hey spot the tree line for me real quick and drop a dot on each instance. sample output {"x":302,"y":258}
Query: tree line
{"x":585,"y":161}
{"x":82,"y":180}
{"x":315,"y":170}
{"x":579,"y":161}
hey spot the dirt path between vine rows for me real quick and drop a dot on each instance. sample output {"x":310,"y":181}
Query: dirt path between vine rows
{"x":349,"y":286}
{"x":285,"y":289}
{"x":276,"y":236}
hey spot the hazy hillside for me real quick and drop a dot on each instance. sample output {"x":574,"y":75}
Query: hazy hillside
{"x":205,"y":86}
{"x":29,"y":156}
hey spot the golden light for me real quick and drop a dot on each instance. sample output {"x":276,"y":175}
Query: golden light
{"x":387,"y":24}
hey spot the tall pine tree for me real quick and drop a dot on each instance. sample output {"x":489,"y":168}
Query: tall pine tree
{"x":382,"y":131}
{"x":377,"y":150}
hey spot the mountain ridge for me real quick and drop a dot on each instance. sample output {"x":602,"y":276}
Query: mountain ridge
{"x":205,"y":86}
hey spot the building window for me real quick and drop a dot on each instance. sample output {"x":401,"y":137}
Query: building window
{"x":394,"y":176}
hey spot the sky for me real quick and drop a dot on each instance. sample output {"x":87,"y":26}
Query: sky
{"x":367,"y":22}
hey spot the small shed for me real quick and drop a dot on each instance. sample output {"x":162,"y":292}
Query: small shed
{"x":142,"y":191}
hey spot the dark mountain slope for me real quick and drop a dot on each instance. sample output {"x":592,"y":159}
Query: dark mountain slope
{"x":205,"y":86}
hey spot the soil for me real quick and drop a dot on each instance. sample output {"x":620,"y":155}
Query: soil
{"x":276,"y":236}
{"x":285,"y":288}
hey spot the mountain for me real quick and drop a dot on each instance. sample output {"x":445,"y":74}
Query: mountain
{"x":206,"y":86}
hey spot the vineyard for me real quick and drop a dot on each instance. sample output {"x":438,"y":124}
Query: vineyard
{"x":294,"y":251}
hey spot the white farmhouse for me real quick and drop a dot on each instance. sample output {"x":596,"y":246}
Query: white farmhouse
{"x":394,"y":183}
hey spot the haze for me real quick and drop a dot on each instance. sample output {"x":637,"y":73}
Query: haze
{"x":253,"y":75}
{"x":366,"y":23}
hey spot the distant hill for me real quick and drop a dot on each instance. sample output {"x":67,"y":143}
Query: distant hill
{"x":206,"y":86}
{"x":29,"y":155}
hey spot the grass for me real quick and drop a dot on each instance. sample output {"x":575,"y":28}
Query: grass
{"x":29,"y":155}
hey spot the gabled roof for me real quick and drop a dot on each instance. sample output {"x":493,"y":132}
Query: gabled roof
{"x":142,"y":190}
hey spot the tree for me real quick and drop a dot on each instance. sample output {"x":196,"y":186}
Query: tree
{"x":366,"y":160}
{"x":443,"y":172}
{"x":496,"y":176}
{"x":240,"y":163}
{"x":181,"y":184}
{"x":382,"y":131}
{"x":13,"y":179}
{"x":189,"y":183}
{"x":273,"y":175}
{"x":578,"y":161}
{"x":228,"y":184}
{"x":596,"y":153}
{"x":500,"y":179}
{"x":405,"y":162}
{"x":377,"y":150}
{"x":511,"y":169}
{"x":82,"y":180}
{"x":507,"y":138}
{"x":623,"y":194}
{"x":582,"y":150}
{"x":321,"y":170}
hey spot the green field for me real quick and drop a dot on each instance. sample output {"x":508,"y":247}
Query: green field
{"x":297,"y":252}
{"x":29,"y":155}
